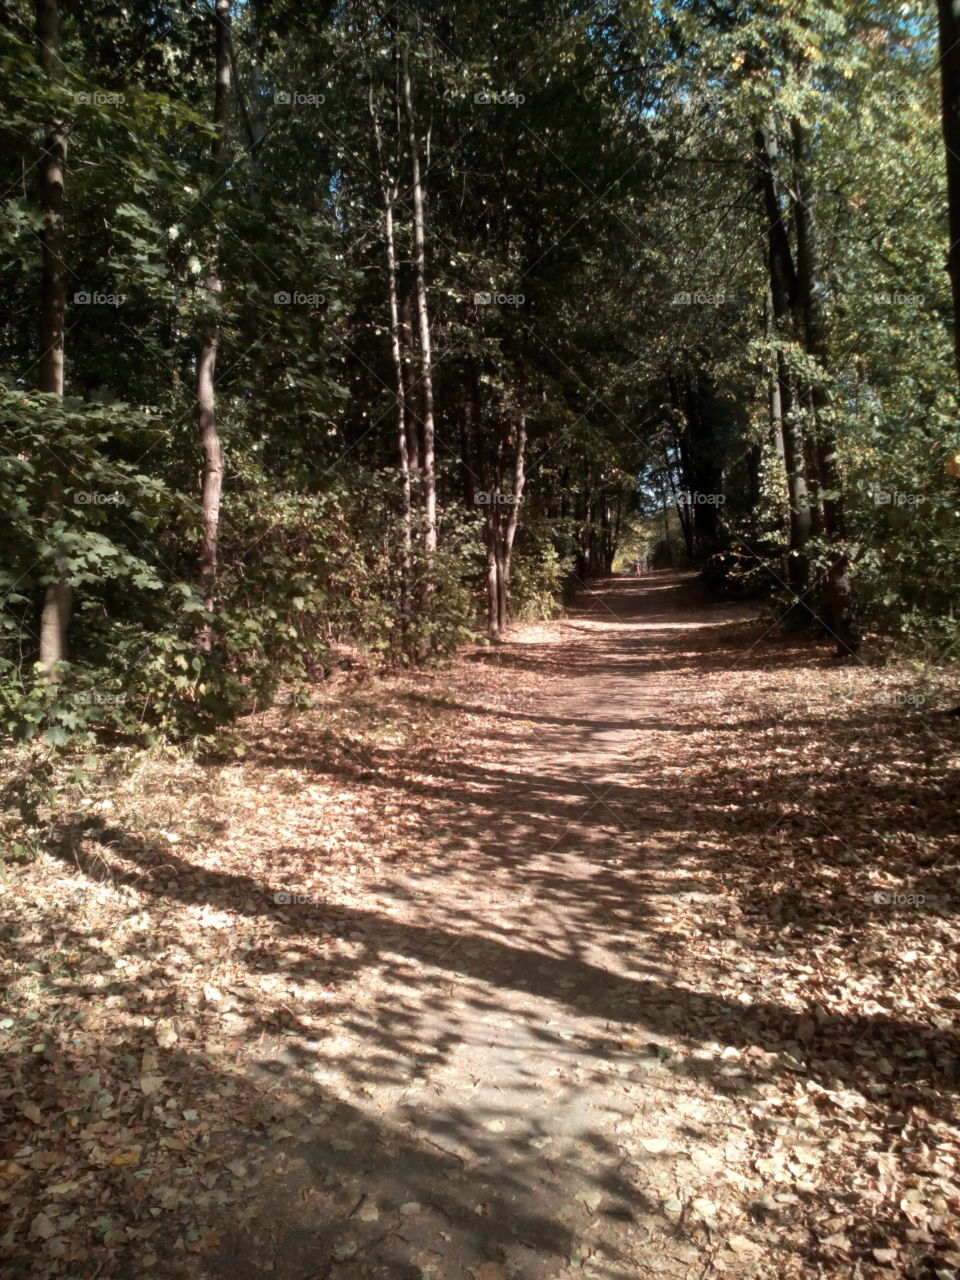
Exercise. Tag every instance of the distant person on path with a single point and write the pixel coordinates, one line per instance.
(637, 569)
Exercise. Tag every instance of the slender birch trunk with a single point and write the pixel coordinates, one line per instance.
(212, 449)
(427, 460)
(389, 188)
(58, 595)
(519, 479)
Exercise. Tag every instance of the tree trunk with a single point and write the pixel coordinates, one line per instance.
(776, 410)
(949, 14)
(491, 532)
(212, 482)
(798, 496)
(682, 510)
(408, 343)
(686, 526)
(775, 401)
(58, 595)
(427, 464)
(469, 429)
(389, 187)
(502, 591)
(519, 480)
(812, 466)
(783, 292)
(498, 539)
(586, 538)
(702, 465)
(499, 528)
(402, 452)
(839, 590)
(606, 545)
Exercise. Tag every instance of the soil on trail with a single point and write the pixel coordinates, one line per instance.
(626, 948)
(505, 1100)
(535, 1079)
(515, 1094)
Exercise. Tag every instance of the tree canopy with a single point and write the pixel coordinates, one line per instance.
(373, 327)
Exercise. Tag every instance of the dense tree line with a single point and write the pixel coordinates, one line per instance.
(377, 326)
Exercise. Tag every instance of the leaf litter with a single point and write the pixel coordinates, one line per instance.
(626, 948)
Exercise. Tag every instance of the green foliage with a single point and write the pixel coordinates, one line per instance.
(536, 582)
(597, 233)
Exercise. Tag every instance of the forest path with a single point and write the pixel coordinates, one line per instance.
(523, 1086)
(627, 948)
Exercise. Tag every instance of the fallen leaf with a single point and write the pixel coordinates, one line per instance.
(41, 1228)
(740, 1244)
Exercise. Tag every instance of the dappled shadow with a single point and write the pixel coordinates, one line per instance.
(557, 973)
(349, 1184)
(530, 955)
(447, 1157)
(596, 890)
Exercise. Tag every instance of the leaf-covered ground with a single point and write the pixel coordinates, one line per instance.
(628, 948)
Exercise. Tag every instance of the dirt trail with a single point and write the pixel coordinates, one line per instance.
(627, 948)
(519, 1103)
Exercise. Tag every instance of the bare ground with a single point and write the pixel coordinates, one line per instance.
(631, 950)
